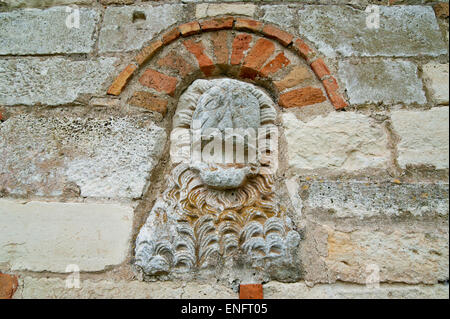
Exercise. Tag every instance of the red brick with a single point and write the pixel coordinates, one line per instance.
(149, 101)
(147, 52)
(273, 32)
(189, 28)
(171, 36)
(279, 62)
(252, 291)
(8, 286)
(217, 24)
(248, 25)
(198, 49)
(159, 81)
(175, 62)
(320, 68)
(332, 89)
(122, 80)
(241, 43)
(302, 97)
(220, 45)
(258, 55)
(303, 49)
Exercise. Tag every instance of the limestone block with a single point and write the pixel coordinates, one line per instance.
(49, 236)
(436, 79)
(424, 137)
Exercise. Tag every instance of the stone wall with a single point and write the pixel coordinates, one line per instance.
(86, 114)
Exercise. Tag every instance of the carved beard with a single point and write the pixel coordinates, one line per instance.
(194, 227)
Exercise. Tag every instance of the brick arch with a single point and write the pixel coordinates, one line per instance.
(247, 62)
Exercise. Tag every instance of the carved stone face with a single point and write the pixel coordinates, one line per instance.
(233, 110)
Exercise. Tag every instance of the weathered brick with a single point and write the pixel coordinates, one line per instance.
(121, 81)
(256, 58)
(303, 49)
(149, 101)
(302, 97)
(175, 62)
(320, 68)
(217, 24)
(281, 36)
(198, 50)
(171, 36)
(147, 52)
(279, 62)
(251, 291)
(241, 44)
(294, 78)
(441, 9)
(332, 89)
(189, 28)
(248, 25)
(8, 286)
(159, 81)
(220, 46)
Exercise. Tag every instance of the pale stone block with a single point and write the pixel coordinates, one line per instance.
(436, 79)
(35, 31)
(387, 82)
(44, 236)
(424, 137)
(54, 81)
(342, 30)
(41, 3)
(49, 156)
(343, 141)
(205, 10)
(121, 31)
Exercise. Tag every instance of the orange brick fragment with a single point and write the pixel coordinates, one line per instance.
(279, 62)
(258, 55)
(8, 286)
(302, 97)
(320, 68)
(241, 43)
(171, 36)
(220, 45)
(273, 32)
(159, 81)
(189, 28)
(332, 89)
(122, 80)
(441, 10)
(149, 101)
(248, 25)
(303, 49)
(217, 24)
(175, 62)
(204, 62)
(251, 291)
(147, 52)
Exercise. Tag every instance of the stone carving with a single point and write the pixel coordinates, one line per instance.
(219, 217)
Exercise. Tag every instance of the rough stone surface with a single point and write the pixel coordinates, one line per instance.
(436, 79)
(44, 236)
(36, 31)
(365, 199)
(41, 3)
(411, 254)
(342, 30)
(103, 158)
(339, 141)
(387, 82)
(280, 15)
(277, 290)
(50, 288)
(205, 10)
(424, 137)
(120, 33)
(22, 80)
